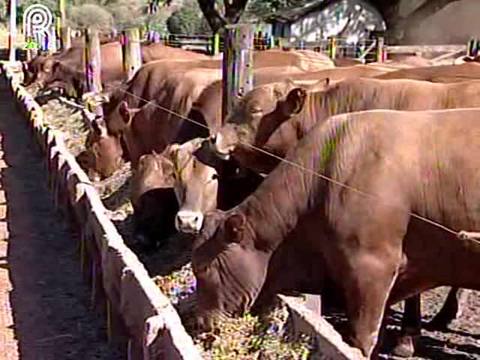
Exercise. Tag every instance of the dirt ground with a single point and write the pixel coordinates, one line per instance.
(45, 309)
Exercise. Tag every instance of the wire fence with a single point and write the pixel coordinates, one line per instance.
(341, 47)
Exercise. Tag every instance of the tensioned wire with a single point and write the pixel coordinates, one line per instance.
(461, 234)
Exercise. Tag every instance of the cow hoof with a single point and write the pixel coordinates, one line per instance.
(405, 347)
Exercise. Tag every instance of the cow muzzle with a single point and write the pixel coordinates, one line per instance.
(218, 147)
(189, 222)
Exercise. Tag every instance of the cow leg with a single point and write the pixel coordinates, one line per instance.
(450, 311)
(367, 285)
(411, 327)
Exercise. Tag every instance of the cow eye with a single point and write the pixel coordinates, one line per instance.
(214, 176)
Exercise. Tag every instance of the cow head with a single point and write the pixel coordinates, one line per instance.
(258, 114)
(104, 152)
(196, 185)
(65, 80)
(153, 200)
(229, 267)
(44, 68)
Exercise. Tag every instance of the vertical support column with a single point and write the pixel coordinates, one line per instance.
(93, 60)
(63, 12)
(52, 43)
(12, 31)
(66, 37)
(62, 22)
(237, 64)
(380, 49)
(271, 42)
(473, 47)
(132, 55)
(332, 47)
(470, 47)
(216, 44)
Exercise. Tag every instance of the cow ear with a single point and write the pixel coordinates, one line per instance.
(172, 149)
(126, 113)
(54, 67)
(234, 226)
(294, 102)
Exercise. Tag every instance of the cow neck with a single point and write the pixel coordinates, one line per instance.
(289, 193)
(268, 125)
(336, 100)
(312, 111)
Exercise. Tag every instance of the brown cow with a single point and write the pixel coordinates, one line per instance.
(192, 160)
(149, 78)
(148, 81)
(263, 111)
(438, 74)
(372, 247)
(187, 160)
(275, 116)
(164, 81)
(157, 124)
(39, 66)
(68, 71)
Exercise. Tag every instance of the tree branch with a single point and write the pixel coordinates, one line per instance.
(214, 18)
(234, 9)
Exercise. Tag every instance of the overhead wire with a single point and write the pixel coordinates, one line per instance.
(461, 234)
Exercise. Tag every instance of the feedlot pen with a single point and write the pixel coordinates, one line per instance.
(44, 303)
(46, 310)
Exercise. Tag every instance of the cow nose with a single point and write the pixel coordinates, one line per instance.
(189, 221)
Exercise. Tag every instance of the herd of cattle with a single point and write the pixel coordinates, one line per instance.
(328, 177)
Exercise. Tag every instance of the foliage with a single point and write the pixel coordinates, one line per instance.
(188, 20)
(262, 8)
(91, 16)
(218, 15)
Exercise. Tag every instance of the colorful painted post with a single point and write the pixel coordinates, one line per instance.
(66, 37)
(12, 30)
(332, 47)
(216, 44)
(380, 49)
(52, 44)
(237, 64)
(93, 63)
(63, 12)
(28, 49)
(473, 47)
(470, 47)
(132, 55)
(279, 43)
(271, 42)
